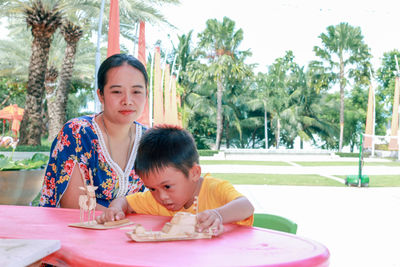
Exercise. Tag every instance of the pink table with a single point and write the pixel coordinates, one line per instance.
(238, 246)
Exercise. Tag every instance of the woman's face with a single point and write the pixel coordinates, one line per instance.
(124, 94)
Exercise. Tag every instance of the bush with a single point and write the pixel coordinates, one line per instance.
(38, 160)
(43, 148)
(207, 152)
(382, 147)
(347, 155)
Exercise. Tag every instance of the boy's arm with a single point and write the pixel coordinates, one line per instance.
(117, 210)
(236, 210)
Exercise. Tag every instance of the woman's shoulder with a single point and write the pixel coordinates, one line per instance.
(82, 120)
(76, 124)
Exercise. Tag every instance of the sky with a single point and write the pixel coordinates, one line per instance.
(272, 27)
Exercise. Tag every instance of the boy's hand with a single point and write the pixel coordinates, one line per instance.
(110, 214)
(210, 219)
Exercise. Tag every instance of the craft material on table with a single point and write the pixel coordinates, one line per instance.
(106, 225)
(87, 202)
(181, 227)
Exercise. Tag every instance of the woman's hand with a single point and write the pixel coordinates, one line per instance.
(210, 220)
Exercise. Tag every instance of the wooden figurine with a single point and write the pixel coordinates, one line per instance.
(87, 202)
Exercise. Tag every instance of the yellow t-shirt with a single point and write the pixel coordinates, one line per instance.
(214, 193)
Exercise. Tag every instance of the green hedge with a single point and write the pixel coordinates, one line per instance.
(347, 155)
(207, 152)
(43, 148)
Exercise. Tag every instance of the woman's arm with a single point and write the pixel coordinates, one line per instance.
(70, 198)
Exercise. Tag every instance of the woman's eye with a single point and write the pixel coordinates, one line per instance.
(115, 92)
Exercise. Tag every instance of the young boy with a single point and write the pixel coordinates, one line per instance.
(168, 163)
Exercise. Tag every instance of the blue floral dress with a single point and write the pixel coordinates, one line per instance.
(80, 144)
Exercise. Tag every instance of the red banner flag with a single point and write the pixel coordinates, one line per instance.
(113, 29)
(393, 143)
(174, 101)
(369, 125)
(158, 104)
(144, 118)
(142, 44)
(167, 96)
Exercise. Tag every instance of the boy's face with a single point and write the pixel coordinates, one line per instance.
(171, 188)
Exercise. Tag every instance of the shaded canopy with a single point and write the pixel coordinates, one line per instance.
(14, 114)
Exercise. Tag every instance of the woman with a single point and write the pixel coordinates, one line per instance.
(103, 144)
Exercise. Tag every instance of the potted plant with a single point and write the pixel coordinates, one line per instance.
(20, 180)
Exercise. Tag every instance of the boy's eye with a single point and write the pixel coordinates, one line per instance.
(152, 189)
(167, 186)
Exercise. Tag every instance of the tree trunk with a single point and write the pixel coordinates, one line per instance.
(278, 133)
(31, 122)
(220, 89)
(342, 85)
(265, 126)
(51, 86)
(58, 115)
(227, 137)
(253, 137)
(43, 24)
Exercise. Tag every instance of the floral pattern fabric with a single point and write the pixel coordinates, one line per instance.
(78, 144)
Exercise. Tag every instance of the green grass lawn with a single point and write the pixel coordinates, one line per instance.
(301, 163)
(243, 162)
(346, 163)
(277, 179)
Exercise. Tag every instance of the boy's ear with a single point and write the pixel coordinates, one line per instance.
(195, 172)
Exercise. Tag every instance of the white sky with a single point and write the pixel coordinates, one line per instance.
(272, 27)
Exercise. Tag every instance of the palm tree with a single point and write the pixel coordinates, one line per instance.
(346, 43)
(278, 79)
(85, 12)
(306, 103)
(58, 105)
(219, 44)
(184, 61)
(43, 22)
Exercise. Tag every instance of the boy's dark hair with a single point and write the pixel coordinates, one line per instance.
(118, 60)
(166, 146)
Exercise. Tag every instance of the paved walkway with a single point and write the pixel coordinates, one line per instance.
(360, 226)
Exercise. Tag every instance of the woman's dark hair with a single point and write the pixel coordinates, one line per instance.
(116, 61)
(166, 146)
